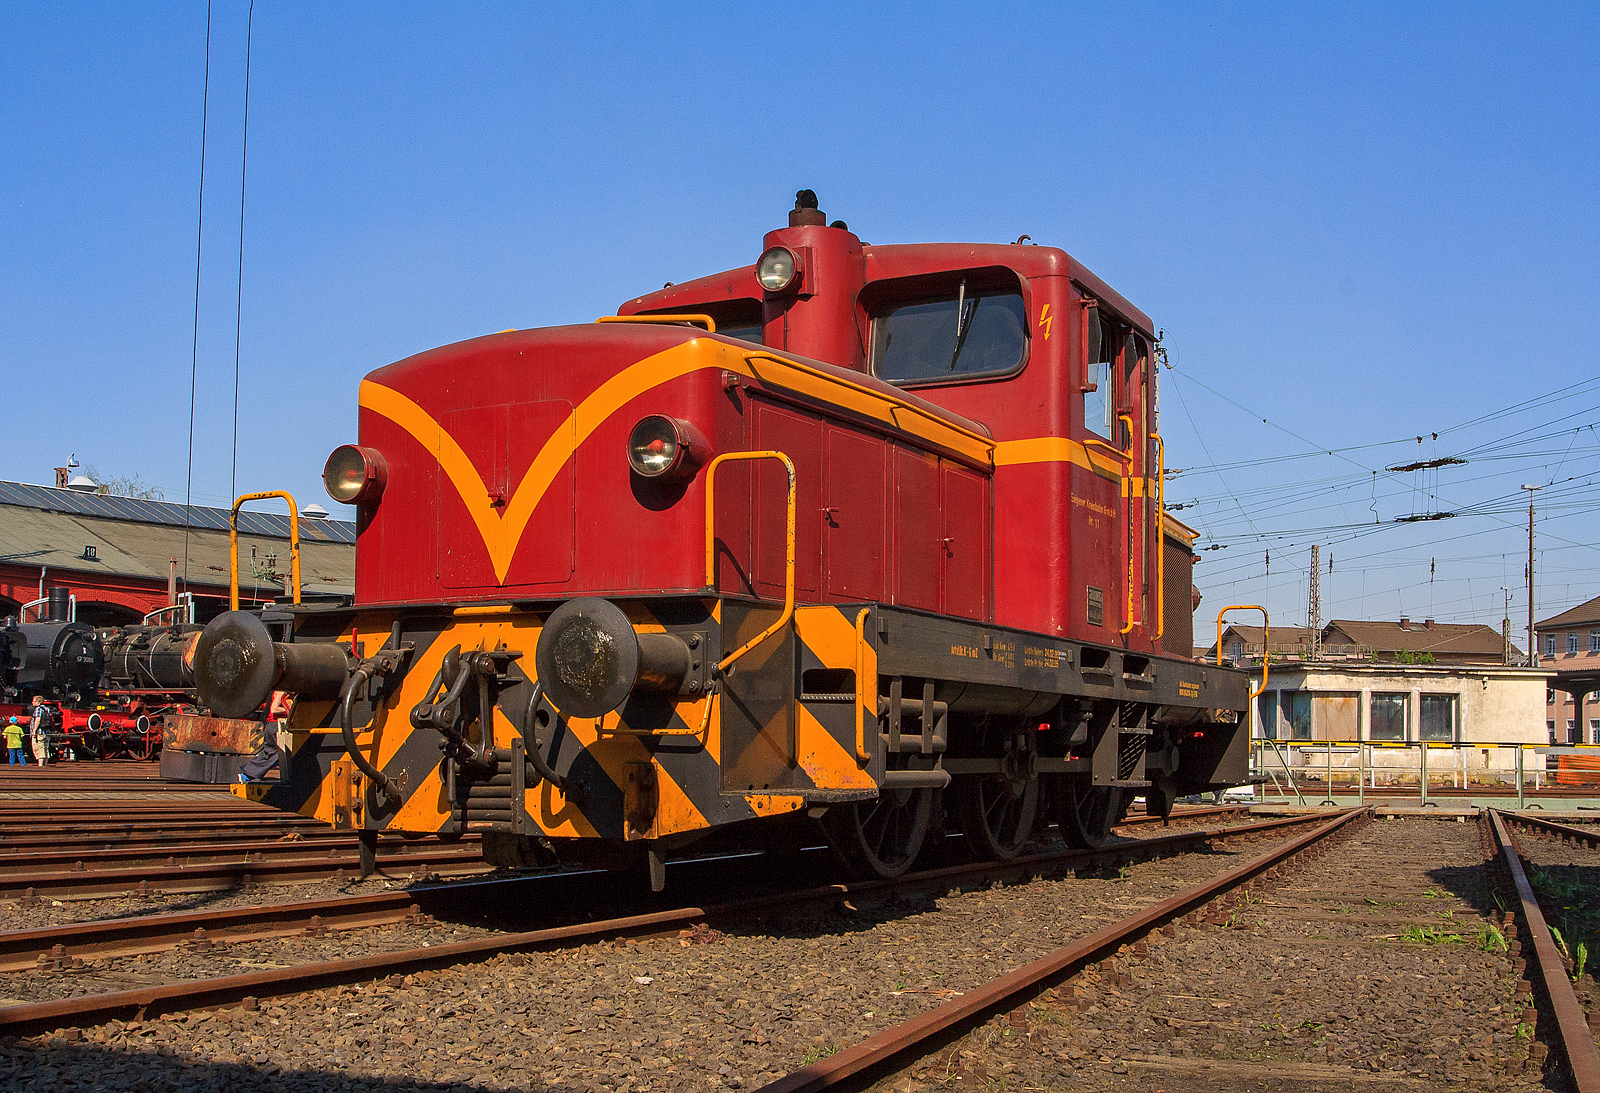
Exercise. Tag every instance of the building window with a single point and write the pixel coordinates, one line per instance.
(1550, 645)
(1236, 650)
(1388, 717)
(1572, 643)
(1549, 696)
(1572, 726)
(1594, 641)
(1594, 730)
(1438, 717)
(1267, 715)
(1550, 727)
(1296, 713)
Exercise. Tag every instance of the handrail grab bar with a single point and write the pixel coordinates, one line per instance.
(233, 542)
(1266, 632)
(789, 551)
(703, 320)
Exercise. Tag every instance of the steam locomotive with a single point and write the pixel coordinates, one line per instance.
(865, 537)
(108, 689)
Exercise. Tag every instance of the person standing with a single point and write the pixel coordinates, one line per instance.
(270, 755)
(40, 731)
(14, 755)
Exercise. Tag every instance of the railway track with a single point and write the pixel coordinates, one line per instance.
(999, 1030)
(256, 866)
(1552, 888)
(153, 830)
(155, 932)
(67, 944)
(157, 853)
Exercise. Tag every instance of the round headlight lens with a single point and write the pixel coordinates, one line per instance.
(654, 446)
(354, 474)
(776, 269)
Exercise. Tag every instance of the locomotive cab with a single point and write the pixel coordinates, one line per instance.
(869, 534)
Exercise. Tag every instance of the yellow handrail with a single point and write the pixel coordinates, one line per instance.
(1118, 452)
(705, 320)
(1127, 522)
(861, 689)
(1161, 536)
(711, 547)
(233, 542)
(1266, 634)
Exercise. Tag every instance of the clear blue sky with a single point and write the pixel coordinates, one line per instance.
(1361, 225)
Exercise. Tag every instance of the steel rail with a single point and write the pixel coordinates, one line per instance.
(111, 836)
(1181, 814)
(218, 876)
(869, 1059)
(246, 852)
(22, 949)
(1550, 827)
(159, 827)
(33, 1018)
(1572, 1026)
(121, 814)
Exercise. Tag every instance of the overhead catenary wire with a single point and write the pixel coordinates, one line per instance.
(1568, 415)
(238, 312)
(199, 241)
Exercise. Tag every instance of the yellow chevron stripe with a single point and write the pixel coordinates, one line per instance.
(828, 764)
(501, 531)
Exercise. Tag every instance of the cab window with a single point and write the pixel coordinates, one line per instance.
(1110, 343)
(751, 333)
(1102, 352)
(967, 333)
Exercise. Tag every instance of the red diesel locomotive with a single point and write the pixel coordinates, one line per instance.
(864, 535)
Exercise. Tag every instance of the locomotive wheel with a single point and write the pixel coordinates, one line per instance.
(1087, 812)
(997, 814)
(881, 838)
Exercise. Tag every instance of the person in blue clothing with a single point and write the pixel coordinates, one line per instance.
(14, 753)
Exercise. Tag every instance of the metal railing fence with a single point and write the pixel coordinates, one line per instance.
(1291, 767)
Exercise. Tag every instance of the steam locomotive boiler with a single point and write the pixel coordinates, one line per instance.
(108, 689)
(865, 536)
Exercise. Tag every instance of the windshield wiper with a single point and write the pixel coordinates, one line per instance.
(963, 321)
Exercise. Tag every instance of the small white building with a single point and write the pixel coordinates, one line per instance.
(1360, 702)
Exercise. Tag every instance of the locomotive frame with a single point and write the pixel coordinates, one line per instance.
(807, 593)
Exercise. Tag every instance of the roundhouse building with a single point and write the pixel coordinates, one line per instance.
(122, 558)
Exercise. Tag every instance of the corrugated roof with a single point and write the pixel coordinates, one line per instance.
(1574, 616)
(269, 524)
(126, 548)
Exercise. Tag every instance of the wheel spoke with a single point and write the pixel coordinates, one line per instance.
(883, 837)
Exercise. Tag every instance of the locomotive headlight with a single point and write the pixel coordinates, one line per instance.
(665, 449)
(354, 474)
(778, 270)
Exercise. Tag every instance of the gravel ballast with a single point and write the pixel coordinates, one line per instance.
(1366, 969)
(704, 1011)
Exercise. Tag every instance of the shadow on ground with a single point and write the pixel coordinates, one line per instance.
(90, 1068)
